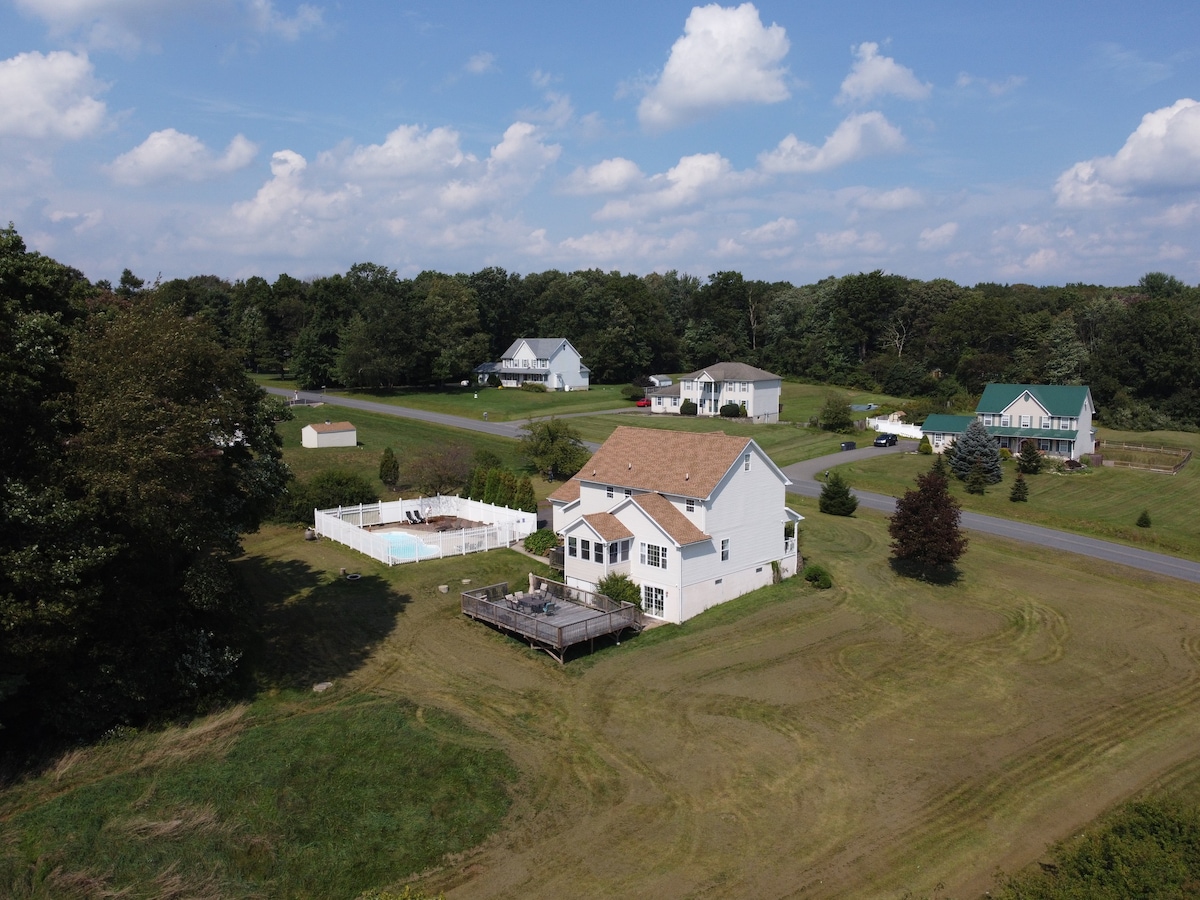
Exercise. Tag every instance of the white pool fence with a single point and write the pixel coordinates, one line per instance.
(349, 525)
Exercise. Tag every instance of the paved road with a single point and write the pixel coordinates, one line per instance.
(805, 481)
(806, 477)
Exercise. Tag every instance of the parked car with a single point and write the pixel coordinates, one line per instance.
(645, 401)
(885, 440)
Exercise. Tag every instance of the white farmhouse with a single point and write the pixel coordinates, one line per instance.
(757, 391)
(553, 362)
(693, 519)
(329, 434)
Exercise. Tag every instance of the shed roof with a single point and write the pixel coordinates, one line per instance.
(330, 427)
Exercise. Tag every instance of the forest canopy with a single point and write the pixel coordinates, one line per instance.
(1137, 347)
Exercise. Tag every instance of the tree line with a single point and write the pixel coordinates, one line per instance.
(136, 450)
(1137, 347)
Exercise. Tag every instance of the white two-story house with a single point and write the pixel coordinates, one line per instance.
(1057, 417)
(553, 362)
(693, 519)
(755, 390)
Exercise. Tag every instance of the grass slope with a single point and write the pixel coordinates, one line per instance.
(1103, 503)
(882, 736)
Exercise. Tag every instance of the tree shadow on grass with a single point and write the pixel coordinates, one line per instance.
(309, 628)
(941, 575)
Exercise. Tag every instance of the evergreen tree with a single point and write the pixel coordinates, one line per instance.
(508, 488)
(836, 498)
(1030, 460)
(976, 446)
(525, 499)
(1020, 490)
(925, 528)
(941, 466)
(1143, 521)
(976, 483)
(389, 468)
(491, 488)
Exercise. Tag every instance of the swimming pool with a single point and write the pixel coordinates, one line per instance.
(406, 547)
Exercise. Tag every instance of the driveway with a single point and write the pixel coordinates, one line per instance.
(805, 477)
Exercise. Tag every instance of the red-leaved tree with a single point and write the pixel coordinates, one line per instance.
(925, 530)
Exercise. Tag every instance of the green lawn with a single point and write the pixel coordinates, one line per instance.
(1103, 503)
(376, 431)
(295, 794)
(501, 404)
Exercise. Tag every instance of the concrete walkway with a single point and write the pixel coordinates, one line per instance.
(805, 477)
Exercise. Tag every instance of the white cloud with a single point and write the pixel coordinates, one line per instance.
(693, 178)
(481, 63)
(607, 177)
(994, 88)
(512, 166)
(850, 241)
(860, 135)
(936, 238)
(781, 229)
(170, 154)
(628, 243)
(408, 150)
(49, 96)
(873, 76)
(725, 57)
(1163, 153)
(286, 200)
(269, 20)
(888, 201)
(119, 24)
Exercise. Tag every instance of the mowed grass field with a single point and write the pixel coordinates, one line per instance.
(1104, 502)
(880, 737)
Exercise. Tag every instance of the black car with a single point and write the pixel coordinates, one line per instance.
(885, 440)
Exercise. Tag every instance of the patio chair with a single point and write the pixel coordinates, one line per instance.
(411, 516)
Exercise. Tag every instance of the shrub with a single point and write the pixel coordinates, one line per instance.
(925, 448)
(534, 387)
(817, 575)
(620, 587)
(633, 392)
(1143, 521)
(836, 415)
(688, 408)
(541, 541)
(493, 380)
(731, 411)
(1005, 454)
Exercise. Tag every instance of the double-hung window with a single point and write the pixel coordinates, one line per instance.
(585, 549)
(1026, 421)
(987, 421)
(572, 547)
(725, 550)
(1005, 421)
(608, 492)
(746, 462)
(690, 504)
(1045, 421)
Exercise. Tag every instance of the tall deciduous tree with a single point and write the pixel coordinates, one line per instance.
(553, 448)
(925, 528)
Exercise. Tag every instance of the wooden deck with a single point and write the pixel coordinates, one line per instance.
(577, 616)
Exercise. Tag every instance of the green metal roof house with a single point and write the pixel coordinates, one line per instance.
(1058, 417)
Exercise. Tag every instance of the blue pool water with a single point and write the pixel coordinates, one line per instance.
(405, 546)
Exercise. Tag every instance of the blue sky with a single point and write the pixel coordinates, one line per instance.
(1022, 142)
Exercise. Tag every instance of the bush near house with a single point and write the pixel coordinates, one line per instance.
(688, 408)
(541, 541)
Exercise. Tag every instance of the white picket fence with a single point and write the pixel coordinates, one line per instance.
(887, 426)
(347, 525)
